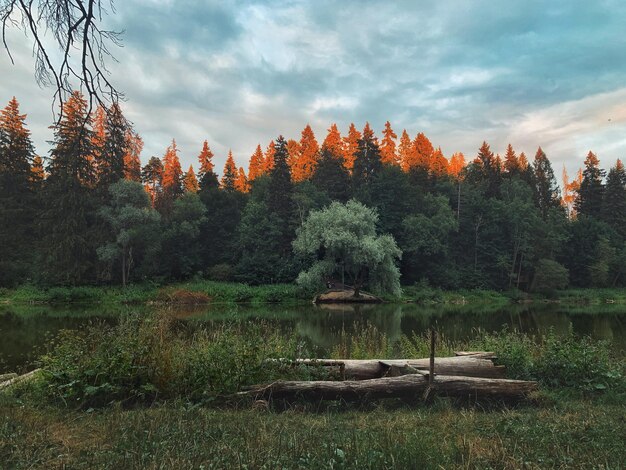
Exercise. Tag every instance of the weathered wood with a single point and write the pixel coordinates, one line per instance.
(406, 386)
(477, 354)
(362, 369)
(5, 377)
(19, 379)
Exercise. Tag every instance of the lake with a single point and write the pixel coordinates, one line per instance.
(26, 329)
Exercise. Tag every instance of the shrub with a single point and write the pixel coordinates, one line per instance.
(220, 272)
(549, 276)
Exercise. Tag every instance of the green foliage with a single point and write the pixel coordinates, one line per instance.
(147, 358)
(343, 237)
(549, 276)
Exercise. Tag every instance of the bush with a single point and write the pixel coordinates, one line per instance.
(143, 359)
(549, 276)
(220, 272)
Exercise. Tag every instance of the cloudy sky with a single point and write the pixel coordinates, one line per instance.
(238, 73)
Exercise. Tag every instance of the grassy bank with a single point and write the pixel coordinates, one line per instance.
(202, 291)
(149, 392)
(564, 433)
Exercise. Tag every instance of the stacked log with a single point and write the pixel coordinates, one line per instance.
(469, 375)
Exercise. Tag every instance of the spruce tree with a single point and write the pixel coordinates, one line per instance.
(304, 166)
(367, 161)
(351, 146)
(331, 176)
(333, 142)
(546, 188)
(591, 192)
(152, 178)
(69, 210)
(132, 158)
(280, 193)
(614, 210)
(230, 173)
(388, 146)
(255, 169)
(172, 179)
(206, 175)
(115, 149)
(17, 205)
(190, 182)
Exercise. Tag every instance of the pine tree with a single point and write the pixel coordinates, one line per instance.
(406, 152)
(241, 183)
(190, 182)
(270, 152)
(280, 190)
(293, 152)
(16, 196)
(333, 142)
(423, 151)
(439, 164)
(256, 166)
(367, 161)
(331, 176)
(305, 164)
(591, 192)
(115, 149)
(230, 173)
(98, 139)
(456, 164)
(388, 146)
(37, 172)
(172, 173)
(152, 178)
(511, 163)
(351, 146)
(487, 170)
(69, 202)
(615, 199)
(132, 158)
(206, 174)
(547, 194)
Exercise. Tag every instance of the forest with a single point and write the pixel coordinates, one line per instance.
(90, 213)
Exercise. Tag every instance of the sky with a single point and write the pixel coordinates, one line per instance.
(239, 73)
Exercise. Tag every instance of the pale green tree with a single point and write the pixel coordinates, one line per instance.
(342, 239)
(132, 219)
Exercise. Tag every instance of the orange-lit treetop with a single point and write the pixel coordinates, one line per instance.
(257, 164)
(230, 173)
(241, 183)
(306, 162)
(351, 145)
(269, 157)
(388, 146)
(333, 142)
(190, 182)
(172, 171)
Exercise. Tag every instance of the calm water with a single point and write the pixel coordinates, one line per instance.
(25, 330)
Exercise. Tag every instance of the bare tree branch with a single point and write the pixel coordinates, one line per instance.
(75, 27)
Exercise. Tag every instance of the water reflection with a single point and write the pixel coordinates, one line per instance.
(24, 330)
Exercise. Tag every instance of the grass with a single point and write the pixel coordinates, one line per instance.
(230, 292)
(564, 434)
(149, 392)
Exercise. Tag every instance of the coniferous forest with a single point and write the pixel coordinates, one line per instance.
(92, 212)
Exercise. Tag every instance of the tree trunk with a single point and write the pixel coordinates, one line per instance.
(407, 386)
(363, 369)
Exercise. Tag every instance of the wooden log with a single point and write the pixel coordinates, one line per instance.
(363, 369)
(5, 377)
(19, 379)
(477, 354)
(406, 386)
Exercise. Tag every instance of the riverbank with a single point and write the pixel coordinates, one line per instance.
(204, 291)
(150, 392)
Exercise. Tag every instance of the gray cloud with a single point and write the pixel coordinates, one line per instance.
(239, 73)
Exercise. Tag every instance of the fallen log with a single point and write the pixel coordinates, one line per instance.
(363, 369)
(19, 379)
(407, 386)
(5, 377)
